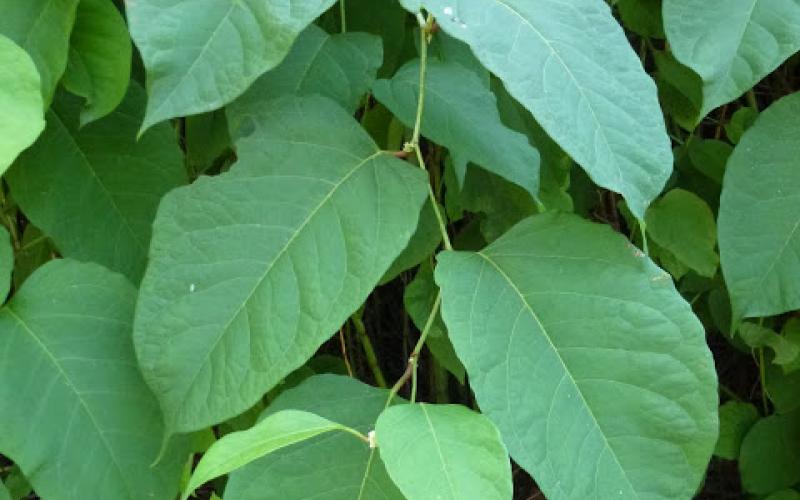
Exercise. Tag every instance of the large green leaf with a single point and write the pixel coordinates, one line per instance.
(274, 432)
(4, 495)
(42, 28)
(76, 415)
(683, 224)
(759, 215)
(333, 467)
(472, 132)
(252, 270)
(341, 67)
(735, 419)
(770, 455)
(99, 64)
(202, 54)
(588, 360)
(571, 66)
(446, 452)
(731, 44)
(20, 102)
(95, 190)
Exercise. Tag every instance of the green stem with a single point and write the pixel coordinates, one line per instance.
(763, 376)
(366, 344)
(343, 15)
(411, 367)
(751, 99)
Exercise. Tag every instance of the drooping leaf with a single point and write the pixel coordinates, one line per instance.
(584, 355)
(252, 270)
(446, 452)
(472, 132)
(571, 66)
(710, 157)
(42, 28)
(680, 90)
(274, 432)
(782, 388)
(334, 467)
(99, 64)
(683, 224)
(770, 455)
(418, 299)
(202, 54)
(35, 249)
(791, 333)
(341, 67)
(759, 215)
(85, 425)
(757, 336)
(731, 45)
(95, 190)
(6, 263)
(21, 103)
(735, 420)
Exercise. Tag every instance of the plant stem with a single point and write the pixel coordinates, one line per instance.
(411, 367)
(366, 343)
(751, 99)
(343, 15)
(763, 376)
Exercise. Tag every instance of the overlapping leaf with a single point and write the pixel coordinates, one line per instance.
(42, 28)
(76, 415)
(584, 355)
(341, 67)
(334, 467)
(202, 54)
(95, 190)
(731, 45)
(445, 452)
(20, 102)
(759, 216)
(571, 66)
(252, 270)
(99, 64)
(472, 132)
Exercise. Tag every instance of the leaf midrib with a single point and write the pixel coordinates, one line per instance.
(334, 188)
(568, 373)
(77, 394)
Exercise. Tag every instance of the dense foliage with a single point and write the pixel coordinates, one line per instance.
(388, 249)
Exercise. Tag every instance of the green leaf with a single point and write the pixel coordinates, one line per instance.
(35, 249)
(735, 420)
(419, 298)
(782, 388)
(472, 132)
(555, 166)
(741, 120)
(99, 64)
(20, 102)
(588, 360)
(201, 55)
(252, 270)
(6, 263)
(710, 157)
(791, 333)
(207, 140)
(423, 244)
(334, 467)
(85, 413)
(387, 20)
(759, 215)
(643, 17)
(4, 495)
(756, 336)
(784, 495)
(95, 190)
(571, 66)
(770, 456)
(680, 90)
(276, 431)
(341, 67)
(446, 452)
(683, 224)
(42, 28)
(731, 46)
